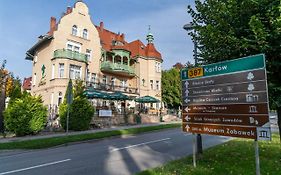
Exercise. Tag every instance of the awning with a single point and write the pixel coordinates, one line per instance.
(147, 99)
(93, 93)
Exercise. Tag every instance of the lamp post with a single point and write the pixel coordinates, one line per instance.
(190, 27)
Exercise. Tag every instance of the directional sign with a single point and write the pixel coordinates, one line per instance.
(253, 108)
(233, 98)
(227, 98)
(227, 88)
(243, 120)
(231, 66)
(248, 76)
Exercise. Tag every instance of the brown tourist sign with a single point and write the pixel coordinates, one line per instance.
(227, 98)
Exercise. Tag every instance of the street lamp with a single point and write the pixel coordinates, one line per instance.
(190, 27)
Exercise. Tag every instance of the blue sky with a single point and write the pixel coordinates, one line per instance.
(22, 21)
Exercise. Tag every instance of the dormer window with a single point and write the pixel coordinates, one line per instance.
(85, 33)
(74, 30)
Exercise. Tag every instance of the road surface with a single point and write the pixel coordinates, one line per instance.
(115, 156)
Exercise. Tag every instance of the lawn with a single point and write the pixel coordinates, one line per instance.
(55, 141)
(235, 157)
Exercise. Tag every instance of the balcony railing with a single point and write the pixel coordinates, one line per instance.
(113, 88)
(62, 53)
(117, 68)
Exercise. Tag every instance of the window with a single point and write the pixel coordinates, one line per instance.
(74, 72)
(61, 70)
(72, 46)
(53, 71)
(104, 79)
(158, 67)
(88, 55)
(123, 83)
(85, 33)
(112, 81)
(74, 30)
(88, 75)
(60, 98)
(93, 77)
(34, 80)
(157, 85)
(151, 84)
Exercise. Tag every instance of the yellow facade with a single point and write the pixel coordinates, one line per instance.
(61, 54)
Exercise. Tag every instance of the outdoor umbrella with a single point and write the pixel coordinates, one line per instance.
(92, 93)
(147, 99)
(118, 96)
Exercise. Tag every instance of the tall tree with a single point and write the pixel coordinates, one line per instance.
(228, 29)
(171, 88)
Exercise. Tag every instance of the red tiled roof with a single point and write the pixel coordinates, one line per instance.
(137, 48)
(26, 85)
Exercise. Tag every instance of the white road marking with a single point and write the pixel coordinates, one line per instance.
(145, 143)
(37, 166)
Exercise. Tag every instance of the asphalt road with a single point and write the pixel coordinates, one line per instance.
(126, 155)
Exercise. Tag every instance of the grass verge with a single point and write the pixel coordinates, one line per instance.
(50, 142)
(235, 157)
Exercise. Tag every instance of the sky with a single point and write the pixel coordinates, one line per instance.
(22, 21)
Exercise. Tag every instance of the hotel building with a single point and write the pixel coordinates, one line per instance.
(76, 48)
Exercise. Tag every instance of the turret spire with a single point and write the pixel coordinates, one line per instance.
(149, 36)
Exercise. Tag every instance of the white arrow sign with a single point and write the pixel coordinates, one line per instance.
(186, 84)
(186, 100)
(187, 118)
(187, 109)
(187, 128)
(186, 92)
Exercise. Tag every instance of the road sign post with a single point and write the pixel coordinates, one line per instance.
(229, 98)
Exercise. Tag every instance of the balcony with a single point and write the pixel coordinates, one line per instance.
(62, 53)
(117, 68)
(113, 88)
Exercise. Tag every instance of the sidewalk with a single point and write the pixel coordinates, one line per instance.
(113, 128)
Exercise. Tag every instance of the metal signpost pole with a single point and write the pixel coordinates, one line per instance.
(194, 150)
(257, 158)
(67, 118)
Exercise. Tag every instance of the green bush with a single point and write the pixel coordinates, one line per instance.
(26, 115)
(80, 114)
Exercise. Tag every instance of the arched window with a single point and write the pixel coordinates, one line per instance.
(74, 30)
(85, 33)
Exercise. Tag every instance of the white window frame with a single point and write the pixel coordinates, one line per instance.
(87, 34)
(93, 77)
(72, 30)
(73, 72)
(89, 54)
(157, 85)
(34, 79)
(61, 70)
(151, 84)
(73, 45)
(53, 71)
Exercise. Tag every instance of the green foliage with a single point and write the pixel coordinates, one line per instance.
(79, 88)
(231, 158)
(171, 88)
(231, 29)
(80, 114)
(26, 115)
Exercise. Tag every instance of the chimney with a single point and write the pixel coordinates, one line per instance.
(68, 10)
(123, 36)
(53, 23)
(101, 26)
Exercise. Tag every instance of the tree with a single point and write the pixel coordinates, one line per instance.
(229, 29)
(26, 115)
(80, 114)
(80, 111)
(171, 88)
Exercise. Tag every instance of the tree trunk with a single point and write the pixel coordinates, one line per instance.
(279, 120)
